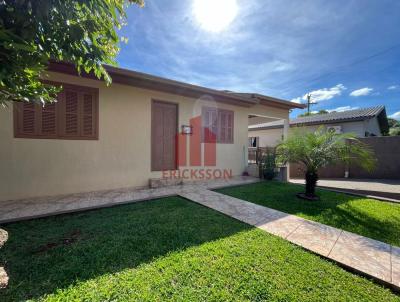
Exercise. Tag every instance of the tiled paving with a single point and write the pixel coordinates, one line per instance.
(3, 273)
(370, 257)
(384, 189)
(396, 266)
(376, 259)
(15, 210)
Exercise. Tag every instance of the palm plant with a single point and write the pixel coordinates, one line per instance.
(322, 148)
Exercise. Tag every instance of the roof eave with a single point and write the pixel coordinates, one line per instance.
(278, 102)
(146, 81)
(266, 128)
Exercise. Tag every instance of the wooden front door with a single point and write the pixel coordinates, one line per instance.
(164, 124)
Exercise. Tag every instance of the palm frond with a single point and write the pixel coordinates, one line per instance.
(324, 147)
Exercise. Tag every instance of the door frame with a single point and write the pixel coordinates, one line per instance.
(154, 101)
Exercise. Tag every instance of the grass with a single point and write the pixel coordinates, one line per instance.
(167, 249)
(368, 217)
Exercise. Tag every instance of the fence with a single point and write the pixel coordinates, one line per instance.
(387, 152)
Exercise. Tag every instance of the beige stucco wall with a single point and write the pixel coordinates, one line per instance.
(271, 137)
(268, 138)
(358, 128)
(120, 158)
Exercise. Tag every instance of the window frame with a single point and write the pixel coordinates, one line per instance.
(59, 117)
(257, 140)
(219, 112)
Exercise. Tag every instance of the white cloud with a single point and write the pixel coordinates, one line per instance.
(361, 92)
(297, 100)
(395, 115)
(341, 109)
(322, 94)
(326, 93)
(282, 66)
(393, 87)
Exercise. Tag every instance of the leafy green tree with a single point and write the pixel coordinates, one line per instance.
(32, 32)
(394, 127)
(394, 131)
(322, 148)
(393, 123)
(322, 111)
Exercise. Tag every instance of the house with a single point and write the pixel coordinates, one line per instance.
(363, 122)
(99, 137)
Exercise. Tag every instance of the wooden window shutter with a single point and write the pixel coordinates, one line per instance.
(219, 122)
(210, 124)
(206, 124)
(34, 120)
(73, 116)
(214, 124)
(222, 126)
(25, 119)
(79, 113)
(88, 112)
(48, 125)
(29, 123)
(225, 118)
(229, 127)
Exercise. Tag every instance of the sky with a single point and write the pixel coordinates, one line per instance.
(345, 53)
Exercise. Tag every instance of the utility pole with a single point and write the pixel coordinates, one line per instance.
(309, 103)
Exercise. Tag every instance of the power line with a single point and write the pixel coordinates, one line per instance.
(309, 103)
(339, 68)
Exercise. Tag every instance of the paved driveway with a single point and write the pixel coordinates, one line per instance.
(383, 188)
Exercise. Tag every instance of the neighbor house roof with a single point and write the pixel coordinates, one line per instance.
(331, 118)
(147, 81)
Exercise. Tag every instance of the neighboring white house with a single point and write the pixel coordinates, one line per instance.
(362, 122)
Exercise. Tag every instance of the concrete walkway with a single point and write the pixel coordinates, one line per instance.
(369, 257)
(385, 189)
(372, 258)
(22, 209)
(3, 273)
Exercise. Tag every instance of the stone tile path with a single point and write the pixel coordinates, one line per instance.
(375, 259)
(369, 257)
(15, 210)
(3, 273)
(384, 189)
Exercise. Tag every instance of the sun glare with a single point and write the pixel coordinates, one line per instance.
(215, 15)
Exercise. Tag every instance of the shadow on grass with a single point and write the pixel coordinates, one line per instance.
(371, 218)
(47, 254)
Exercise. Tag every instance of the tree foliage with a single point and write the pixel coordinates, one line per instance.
(394, 127)
(322, 148)
(32, 32)
(322, 111)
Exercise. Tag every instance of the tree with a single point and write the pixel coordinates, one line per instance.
(394, 131)
(394, 127)
(32, 32)
(321, 148)
(393, 123)
(322, 111)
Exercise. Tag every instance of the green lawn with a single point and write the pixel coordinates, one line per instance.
(368, 217)
(167, 249)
